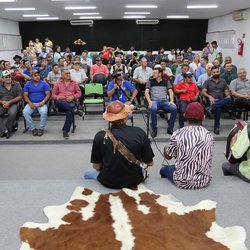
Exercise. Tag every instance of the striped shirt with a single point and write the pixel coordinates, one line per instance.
(192, 146)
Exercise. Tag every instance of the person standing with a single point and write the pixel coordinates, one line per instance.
(192, 148)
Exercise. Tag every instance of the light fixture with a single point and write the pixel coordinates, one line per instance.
(6, 1)
(90, 17)
(36, 15)
(133, 17)
(137, 13)
(177, 17)
(10, 9)
(80, 7)
(141, 6)
(47, 18)
(83, 14)
(202, 6)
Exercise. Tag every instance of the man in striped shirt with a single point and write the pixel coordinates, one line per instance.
(192, 148)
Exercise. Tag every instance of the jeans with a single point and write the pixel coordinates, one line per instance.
(216, 107)
(182, 108)
(91, 174)
(12, 113)
(43, 111)
(167, 172)
(167, 107)
(69, 108)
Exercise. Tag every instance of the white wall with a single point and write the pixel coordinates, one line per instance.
(225, 23)
(8, 28)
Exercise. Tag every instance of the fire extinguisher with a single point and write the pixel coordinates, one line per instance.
(240, 47)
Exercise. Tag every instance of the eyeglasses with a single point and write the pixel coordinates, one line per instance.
(67, 73)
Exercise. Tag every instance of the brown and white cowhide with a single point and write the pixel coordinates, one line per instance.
(130, 219)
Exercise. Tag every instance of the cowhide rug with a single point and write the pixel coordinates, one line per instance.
(130, 219)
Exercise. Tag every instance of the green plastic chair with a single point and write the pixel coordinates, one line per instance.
(93, 96)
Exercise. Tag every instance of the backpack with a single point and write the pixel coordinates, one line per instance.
(231, 139)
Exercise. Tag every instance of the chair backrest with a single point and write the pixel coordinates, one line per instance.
(93, 88)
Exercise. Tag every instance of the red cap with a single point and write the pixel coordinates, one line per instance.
(194, 110)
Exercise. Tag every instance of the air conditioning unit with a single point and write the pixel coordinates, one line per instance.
(82, 22)
(240, 15)
(147, 21)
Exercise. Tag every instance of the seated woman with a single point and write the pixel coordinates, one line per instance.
(239, 149)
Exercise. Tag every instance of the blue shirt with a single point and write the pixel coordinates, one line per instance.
(200, 71)
(179, 78)
(36, 92)
(119, 95)
(202, 79)
(44, 73)
(28, 73)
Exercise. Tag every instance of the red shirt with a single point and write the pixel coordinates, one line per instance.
(72, 89)
(191, 88)
(102, 69)
(106, 53)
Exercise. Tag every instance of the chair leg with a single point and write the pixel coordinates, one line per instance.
(147, 115)
(25, 126)
(73, 125)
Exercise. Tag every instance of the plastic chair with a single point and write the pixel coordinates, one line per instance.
(94, 96)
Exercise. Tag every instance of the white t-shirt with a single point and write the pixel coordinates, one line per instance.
(79, 76)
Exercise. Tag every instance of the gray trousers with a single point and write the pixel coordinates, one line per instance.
(12, 113)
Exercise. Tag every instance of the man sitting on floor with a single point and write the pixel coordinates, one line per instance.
(111, 168)
(10, 95)
(36, 94)
(65, 93)
(159, 88)
(192, 148)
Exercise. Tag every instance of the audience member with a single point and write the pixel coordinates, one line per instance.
(189, 54)
(85, 59)
(228, 59)
(217, 51)
(201, 69)
(54, 76)
(205, 76)
(229, 74)
(184, 69)
(99, 72)
(206, 51)
(57, 54)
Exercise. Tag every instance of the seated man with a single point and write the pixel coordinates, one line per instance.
(202, 78)
(240, 89)
(159, 88)
(10, 95)
(192, 148)
(54, 76)
(239, 149)
(179, 78)
(99, 72)
(187, 92)
(122, 90)
(111, 168)
(118, 66)
(217, 92)
(65, 93)
(229, 75)
(36, 94)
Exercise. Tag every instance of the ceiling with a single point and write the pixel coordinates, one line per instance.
(114, 9)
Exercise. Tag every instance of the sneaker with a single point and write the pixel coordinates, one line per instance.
(8, 135)
(65, 134)
(34, 132)
(217, 131)
(78, 112)
(3, 134)
(40, 132)
(209, 112)
(170, 131)
(154, 133)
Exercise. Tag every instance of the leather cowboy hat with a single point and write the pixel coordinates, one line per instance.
(116, 110)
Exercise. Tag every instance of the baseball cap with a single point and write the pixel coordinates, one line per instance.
(6, 73)
(194, 110)
(98, 58)
(187, 74)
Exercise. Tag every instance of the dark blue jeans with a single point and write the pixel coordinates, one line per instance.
(167, 172)
(182, 109)
(165, 105)
(69, 108)
(216, 107)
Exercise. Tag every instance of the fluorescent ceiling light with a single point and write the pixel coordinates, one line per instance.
(202, 6)
(177, 17)
(5, 1)
(83, 14)
(137, 13)
(90, 17)
(36, 15)
(19, 9)
(80, 7)
(142, 6)
(47, 18)
(133, 17)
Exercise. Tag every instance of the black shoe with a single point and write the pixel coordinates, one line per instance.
(154, 133)
(217, 131)
(8, 135)
(34, 132)
(226, 171)
(40, 132)
(3, 134)
(170, 131)
(65, 134)
(78, 112)
(209, 112)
